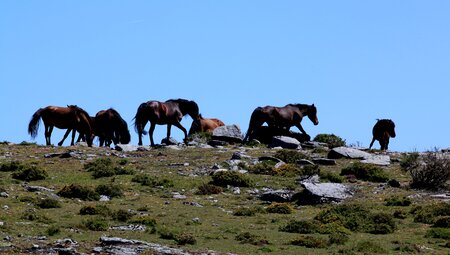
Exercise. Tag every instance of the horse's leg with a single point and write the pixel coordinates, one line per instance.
(299, 126)
(371, 143)
(169, 127)
(152, 128)
(48, 133)
(178, 125)
(73, 137)
(65, 136)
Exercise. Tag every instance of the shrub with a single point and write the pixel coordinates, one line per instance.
(122, 215)
(310, 242)
(433, 174)
(280, 208)
(209, 189)
(53, 230)
(30, 173)
(11, 166)
(78, 191)
(398, 214)
(369, 247)
(49, 203)
(185, 238)
(144, 220)
(111, 190)
(147, 180)
(288, 170)
(398, 201)
(442, 233)
(330, 176)
(95, 210)
(247, 237)
(409, 161)
(232, 178)
(301, 227)
(264, 167)
(428, 214)
(104, 167)
(382, 223)
(331, 139)
(96, 224)
(248, 211)
(442, 222)
(165, 233)
(290, 156)
(338, 238)
(366, 172)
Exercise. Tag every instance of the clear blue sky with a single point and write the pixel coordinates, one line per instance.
(356, 60)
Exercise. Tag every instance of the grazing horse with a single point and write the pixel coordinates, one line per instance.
(72, 118)
(281, 117)
(204, 125)
(110, 127)
(164, 113)
(382, 131)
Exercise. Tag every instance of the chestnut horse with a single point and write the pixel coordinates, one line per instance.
(164, 113)
(72, 118)
(382, 131)
(281, 117)
(204, 125)
(110, 127)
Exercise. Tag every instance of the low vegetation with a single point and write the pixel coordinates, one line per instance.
(331, 139)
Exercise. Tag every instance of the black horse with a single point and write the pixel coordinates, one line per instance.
(111, 127)
(164, 113)
(382, 131)
(281, 117)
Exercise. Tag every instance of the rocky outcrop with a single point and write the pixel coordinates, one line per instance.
(229, 133)
(285, 142)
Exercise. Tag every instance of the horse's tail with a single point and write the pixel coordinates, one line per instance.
(124, 133)
(139, 119)
(256, 115)
(33, 126)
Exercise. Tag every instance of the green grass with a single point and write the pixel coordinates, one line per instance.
(170, 221)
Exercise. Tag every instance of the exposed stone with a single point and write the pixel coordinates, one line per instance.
(4, 194)
(229, 133)
(346, 152)
(264, 134)
(127, 147)
(285, 142)
(324, 161)
(269, 158)
(120, 246)
(304, 162)
(38, 188)
(131, 227)
(319, 193)
(170, 141)
(215, 143)
(381, 160)
(280, 195)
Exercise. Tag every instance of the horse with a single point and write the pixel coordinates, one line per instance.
(164, 113)
(204, 125)
(72, 118)
(382, 131)
(281, 117)
(111, 127)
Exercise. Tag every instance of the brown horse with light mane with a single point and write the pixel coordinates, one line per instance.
(281, 117)
(382, 131)
(72, 118)
(164, 113)
(204, 125)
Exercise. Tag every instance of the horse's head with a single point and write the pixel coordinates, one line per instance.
(391, 128)
(196, 125)
(191, 108)
(312, 114)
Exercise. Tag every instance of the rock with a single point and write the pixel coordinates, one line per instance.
(215, 143)
(38, 189)
(285, 142)
(381, 160)
(117, 245)
(313, 144)
(269, 158)
(126, 147)
(237, 155)
(104, 198)
(319, 193)
(280, 195)
(178, 196)
(229, 133)
(236, 190)
(170, 141)
(264, 134)
(194, 204)
(324, 161)
(304, 162)
(4, 194)
(131, 227)
(346, 152)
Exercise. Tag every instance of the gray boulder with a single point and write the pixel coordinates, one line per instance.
(285, 142)
(129, 147)
(280, 195)
(340, 152)
(319, 193)
(229, 133)
(324, 161)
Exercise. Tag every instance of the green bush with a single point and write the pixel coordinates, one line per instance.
(288, 170)
(310, 242)
(338, 238)
(399, 214)
(442, 222)
(264, 167)
(398, 201)
(53, 230)
(30, 173)
(49, 203)
(104, 167)
(290, 156)
(232, 178)
(330, 177)
(331, 139)
(78, 191)
(95, 210)
(111, 190)
(301, 227)
(280, 208)
(368, 247)
(442, 233)
(11, 166)
(409, 161)
(144, 220)
(147, 180)
(244, 211)
(96, 224)
(382, 223)
(185, 238)
(209, 189)
(247, 237)
(428, 214)
(433, 174)
(122, 215)
(366, 172)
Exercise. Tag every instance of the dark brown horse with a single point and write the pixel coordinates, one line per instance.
(382, 131)
(111, 127)
(281, 117)
(72, 118)
(204, 125)
(164, 113)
